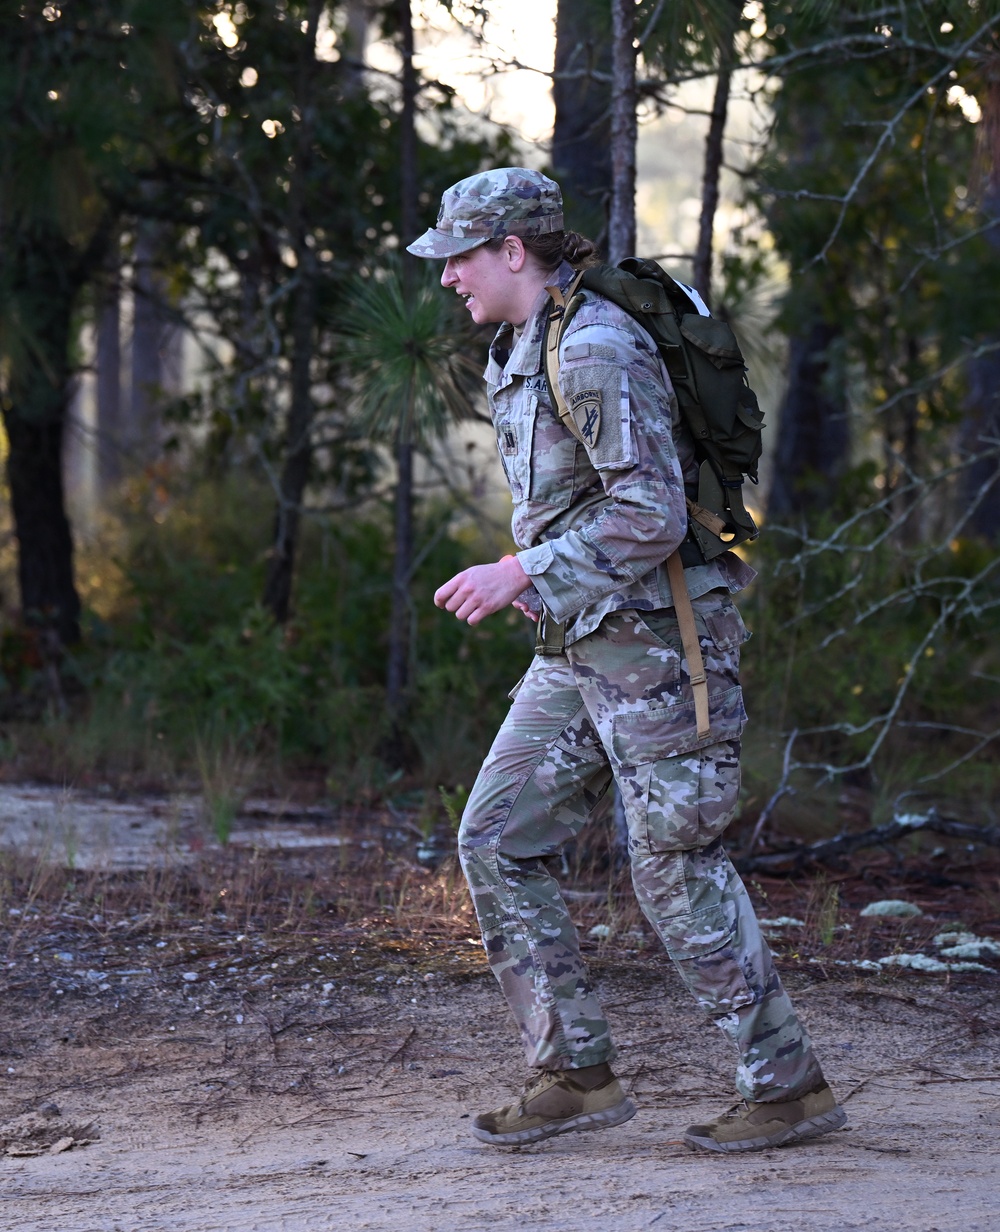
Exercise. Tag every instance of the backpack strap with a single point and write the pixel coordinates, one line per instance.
(689, 640)
(675, 569)
(705, 517)
(554, 327)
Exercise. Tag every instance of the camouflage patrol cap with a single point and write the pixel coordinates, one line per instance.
(491, 204)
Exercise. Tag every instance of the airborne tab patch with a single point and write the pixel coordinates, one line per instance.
(585, 407)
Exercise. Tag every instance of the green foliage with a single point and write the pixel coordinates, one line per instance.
(687, 35)
(868, 186)
(75, 137)
(188, 666)
(454, 803)
(409, 356)
(225, 777)
(884, 663)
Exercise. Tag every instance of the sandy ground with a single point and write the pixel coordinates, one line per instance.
(355, 1113)
(199, 1080)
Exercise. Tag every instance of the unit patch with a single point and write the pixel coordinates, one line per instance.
(586, 410)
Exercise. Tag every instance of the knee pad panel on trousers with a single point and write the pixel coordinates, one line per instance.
(488, 806)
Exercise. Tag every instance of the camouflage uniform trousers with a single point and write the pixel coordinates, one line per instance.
(619, 702)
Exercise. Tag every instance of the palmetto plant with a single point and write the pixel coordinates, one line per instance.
(408, 351)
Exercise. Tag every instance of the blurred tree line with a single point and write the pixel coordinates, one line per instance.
(238, 175)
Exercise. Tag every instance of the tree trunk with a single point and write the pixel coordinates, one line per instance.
(148, 332)
(277, 596)
(109, 379)
(45, 545)
(581, 136)
(624, 131)
(980, 428)
(398, 665)
(902, 451)
(34, 412)
(979, 432)
(813, 444)
(357, 28)
(702, 270)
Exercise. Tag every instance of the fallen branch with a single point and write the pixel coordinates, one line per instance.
(399, 1052)
(832, 850)
(923, 1082)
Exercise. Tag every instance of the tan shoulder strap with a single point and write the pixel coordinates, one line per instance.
(705, 517)
(553, 337)
(689, 640)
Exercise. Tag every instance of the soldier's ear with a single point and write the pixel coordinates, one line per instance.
(515, 252)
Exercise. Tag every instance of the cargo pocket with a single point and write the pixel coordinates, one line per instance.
(679, 792)
(701, 944)
(642, 736)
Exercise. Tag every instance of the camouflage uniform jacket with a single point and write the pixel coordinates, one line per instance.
(595, 524)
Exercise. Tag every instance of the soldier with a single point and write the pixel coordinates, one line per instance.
(609, 695)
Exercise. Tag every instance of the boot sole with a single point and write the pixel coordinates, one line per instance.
(813, 1127)
(609, 1117)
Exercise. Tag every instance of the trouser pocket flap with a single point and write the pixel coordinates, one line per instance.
(726, 628)
(642, 736)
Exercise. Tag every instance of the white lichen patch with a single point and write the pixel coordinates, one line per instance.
(917, 962)
(897, 907)
(910, 819)
(972, 947)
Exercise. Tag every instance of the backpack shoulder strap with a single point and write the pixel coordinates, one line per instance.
(689, 640)
(554, 327)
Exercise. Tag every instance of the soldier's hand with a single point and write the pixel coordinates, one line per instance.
(528, 603)
(480, 591)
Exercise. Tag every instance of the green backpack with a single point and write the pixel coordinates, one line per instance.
(708, 373)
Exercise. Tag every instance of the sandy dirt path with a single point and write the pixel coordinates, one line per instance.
(357, 1116)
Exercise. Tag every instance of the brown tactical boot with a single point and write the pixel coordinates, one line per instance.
(749, 1126)
(557, 1102)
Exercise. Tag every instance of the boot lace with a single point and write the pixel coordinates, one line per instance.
(539, 1079)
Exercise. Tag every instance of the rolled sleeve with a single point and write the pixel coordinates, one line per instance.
(534, 561)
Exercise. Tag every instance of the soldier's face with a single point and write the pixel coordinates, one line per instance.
(484, 279)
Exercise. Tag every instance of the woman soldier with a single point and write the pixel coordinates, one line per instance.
(609, 694)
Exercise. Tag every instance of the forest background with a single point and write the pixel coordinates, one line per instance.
(245, 438)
